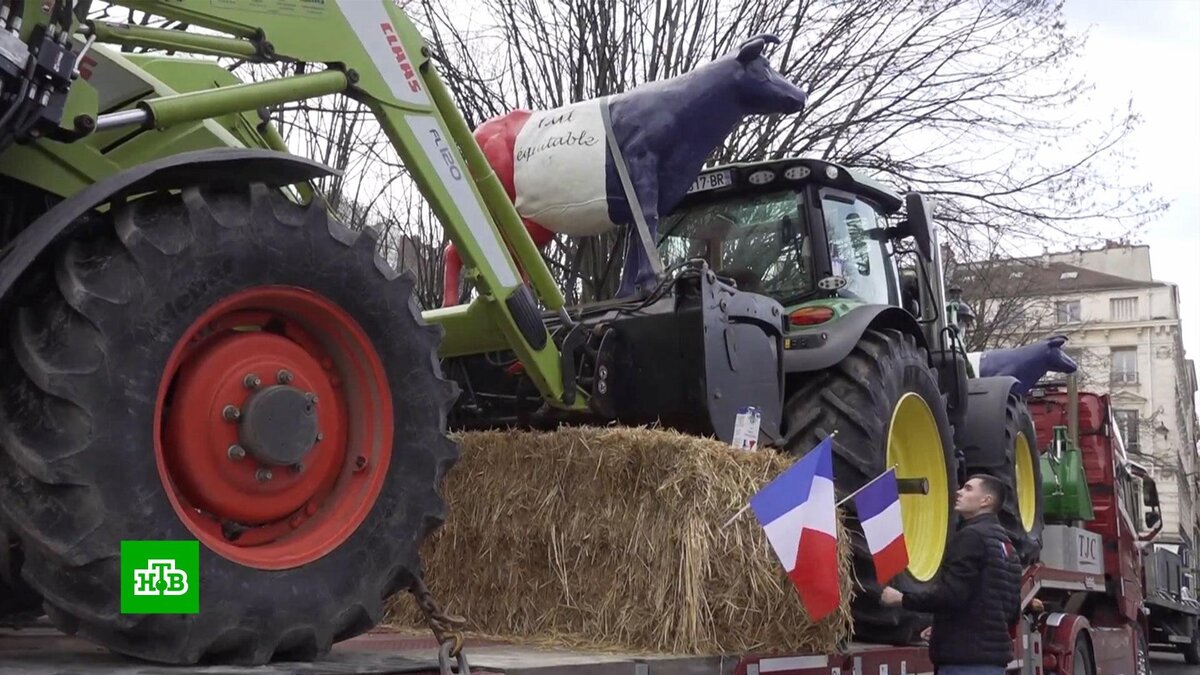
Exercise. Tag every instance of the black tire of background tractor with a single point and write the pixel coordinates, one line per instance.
(1141, 663)
(78, 384)
(17, 600)
(1191, 650)
(1017, 419)
(856, 397)
(1084, 663)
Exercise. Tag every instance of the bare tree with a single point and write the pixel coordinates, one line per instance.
(970, 101)
(1011, 304)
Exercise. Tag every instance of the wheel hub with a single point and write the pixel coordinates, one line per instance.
(914, 447)
(274, 427)
(279, 425)
(229, 437)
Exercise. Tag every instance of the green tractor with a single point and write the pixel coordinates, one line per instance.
(195, 349)
(872, 350)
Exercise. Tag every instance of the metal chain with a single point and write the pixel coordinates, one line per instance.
(446, 627)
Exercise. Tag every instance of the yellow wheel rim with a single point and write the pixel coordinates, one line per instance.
(914, 446)
(1025, 488)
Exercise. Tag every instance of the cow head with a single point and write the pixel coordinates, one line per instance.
(1028, 363)
(761, 89)
(1057, 360)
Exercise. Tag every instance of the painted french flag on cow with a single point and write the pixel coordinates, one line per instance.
(878, 506)
(798, 513)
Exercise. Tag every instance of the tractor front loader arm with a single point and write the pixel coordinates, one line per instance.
(387, 67)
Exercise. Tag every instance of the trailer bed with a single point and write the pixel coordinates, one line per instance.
(41, 650)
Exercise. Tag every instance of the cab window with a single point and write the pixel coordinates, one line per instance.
(855, 254)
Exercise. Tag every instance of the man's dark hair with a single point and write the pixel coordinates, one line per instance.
(993, 486)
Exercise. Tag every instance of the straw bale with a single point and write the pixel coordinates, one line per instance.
(612, 538)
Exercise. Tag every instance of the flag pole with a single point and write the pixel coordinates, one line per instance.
(747, 506)
(852, 494)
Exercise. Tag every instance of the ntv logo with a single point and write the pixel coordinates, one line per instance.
(160, 577)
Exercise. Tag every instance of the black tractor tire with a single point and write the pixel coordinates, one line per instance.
(86, 351)
(1008, 457)
(18, 602)
(857, 398)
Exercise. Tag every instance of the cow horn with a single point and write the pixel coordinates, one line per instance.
(753, 48)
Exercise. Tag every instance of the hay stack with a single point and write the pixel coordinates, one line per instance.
(611, 538)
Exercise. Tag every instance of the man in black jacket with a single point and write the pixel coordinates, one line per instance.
(977, 598)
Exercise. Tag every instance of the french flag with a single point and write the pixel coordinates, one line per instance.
(878, 507)
(798, 513)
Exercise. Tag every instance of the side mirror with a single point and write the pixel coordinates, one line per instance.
(919, 224)
(1149, 493)
(1152, 518)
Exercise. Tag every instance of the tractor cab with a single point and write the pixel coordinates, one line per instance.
(828, 243)
(800, 230)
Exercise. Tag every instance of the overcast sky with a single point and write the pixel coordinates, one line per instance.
(1149, 50)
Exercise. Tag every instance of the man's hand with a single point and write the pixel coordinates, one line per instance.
(927, 633)
(891, 597)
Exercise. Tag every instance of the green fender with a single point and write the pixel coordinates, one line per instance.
(824, 345)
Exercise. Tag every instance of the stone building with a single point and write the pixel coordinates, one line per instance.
(1124, 330)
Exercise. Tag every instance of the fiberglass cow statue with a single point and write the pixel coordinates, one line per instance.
(560, 171)
(1027, 363)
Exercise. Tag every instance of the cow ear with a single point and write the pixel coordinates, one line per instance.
(753, 48)
(750, 51)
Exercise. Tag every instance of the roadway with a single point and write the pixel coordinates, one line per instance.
(1166, 663)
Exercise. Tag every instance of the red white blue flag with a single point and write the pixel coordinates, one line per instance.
(798, 512)
(878, 506)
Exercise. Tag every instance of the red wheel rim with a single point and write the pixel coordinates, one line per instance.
(255, 351)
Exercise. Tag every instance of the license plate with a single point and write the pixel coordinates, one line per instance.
(711, 181)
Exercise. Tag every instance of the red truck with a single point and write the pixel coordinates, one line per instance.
(1090, 579)
(1085, 606)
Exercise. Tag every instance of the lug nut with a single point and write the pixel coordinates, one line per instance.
(360, 462)
(263, 475)
(320, 435)
(231, 413)
(311, 398)
(237, 452)
(284, 377)
(298, 467)
(251, 381)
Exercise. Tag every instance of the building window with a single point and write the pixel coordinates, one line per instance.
(1127, 424)
(1123, 309)
(1068, 311)
(1124, 365)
